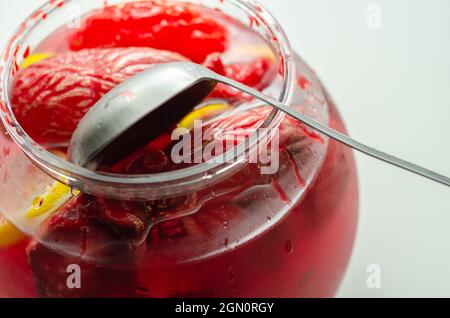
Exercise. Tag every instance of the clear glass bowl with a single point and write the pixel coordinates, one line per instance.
(210, 230)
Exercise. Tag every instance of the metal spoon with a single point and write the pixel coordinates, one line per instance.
(111, 130)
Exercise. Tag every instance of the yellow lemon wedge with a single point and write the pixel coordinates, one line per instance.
(202, 113)
(254, 50)
(48, 203)
(35, 58)
(57, 195)
(51, 201)
(9, 234)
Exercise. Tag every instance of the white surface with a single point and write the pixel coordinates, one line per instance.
(392, 87)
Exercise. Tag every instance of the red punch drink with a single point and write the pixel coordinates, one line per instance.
(154, 224)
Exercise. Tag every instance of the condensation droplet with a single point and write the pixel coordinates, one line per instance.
(5, 178)
(37, 202)
(289, 247)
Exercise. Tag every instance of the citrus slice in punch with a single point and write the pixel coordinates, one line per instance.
(203, 113)
(42, 205)
(35, 58)
(9, 234)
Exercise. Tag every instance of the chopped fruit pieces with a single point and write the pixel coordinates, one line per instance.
(51, 97)
(144, 161)
(185, 29)
(104, 251)
(50, 269)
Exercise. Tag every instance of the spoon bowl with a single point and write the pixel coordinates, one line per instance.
(137, 111)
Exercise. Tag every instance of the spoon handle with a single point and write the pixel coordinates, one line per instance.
(337, 135)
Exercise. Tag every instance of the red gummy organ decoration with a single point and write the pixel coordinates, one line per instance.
(190, 31)
(52, 96)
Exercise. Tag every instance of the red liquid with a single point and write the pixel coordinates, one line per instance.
(304, 255)
(254, 236)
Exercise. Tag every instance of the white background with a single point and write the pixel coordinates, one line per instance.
(392, 86)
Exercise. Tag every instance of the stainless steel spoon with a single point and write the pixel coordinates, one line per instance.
(161, 96)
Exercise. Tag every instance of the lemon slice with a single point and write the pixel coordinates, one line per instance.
(56, 196)
(9, 234)
(205, 112)
(47, 204)
(51, 201)
(254, 50)
(35, 58)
